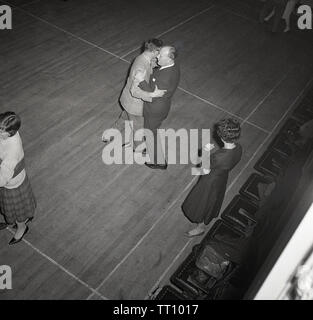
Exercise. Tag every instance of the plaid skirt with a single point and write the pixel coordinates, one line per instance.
(17, 204)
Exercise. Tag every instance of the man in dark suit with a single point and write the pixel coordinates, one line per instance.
(165, 78)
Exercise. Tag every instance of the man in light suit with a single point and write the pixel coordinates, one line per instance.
(167, 78)
(132, 99)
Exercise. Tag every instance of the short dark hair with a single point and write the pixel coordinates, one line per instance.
(228, 129)
(172, 53)
(10, 122)
(153, 44)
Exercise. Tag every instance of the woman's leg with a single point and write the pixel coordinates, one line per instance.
(21, 227)
(268, 17)
(279, 10)
(267, 9)
(290, 6)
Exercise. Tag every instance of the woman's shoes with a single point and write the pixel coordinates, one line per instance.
(194, 233)
(287, 29)
(14, 241)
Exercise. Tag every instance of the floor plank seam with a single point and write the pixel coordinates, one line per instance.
(222, 109)
(29, 3)
(95, 292)
(68, 33)
(246, 120)
(172, 28)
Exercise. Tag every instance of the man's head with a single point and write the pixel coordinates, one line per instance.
(153, 46)
(167, 56)
(9, 124)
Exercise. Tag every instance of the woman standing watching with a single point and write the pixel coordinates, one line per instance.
(205, 199)
(17, 202)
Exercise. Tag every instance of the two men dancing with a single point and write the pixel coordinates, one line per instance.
(146, 97)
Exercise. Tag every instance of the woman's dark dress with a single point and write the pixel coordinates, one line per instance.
(205, 199)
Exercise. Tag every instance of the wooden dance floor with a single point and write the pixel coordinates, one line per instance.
(117, 232)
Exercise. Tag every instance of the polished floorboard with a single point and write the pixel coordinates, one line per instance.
(117, 232)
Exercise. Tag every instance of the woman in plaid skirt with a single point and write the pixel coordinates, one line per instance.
(17, 202)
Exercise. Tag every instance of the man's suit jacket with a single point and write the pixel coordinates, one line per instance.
(165, 79)
(132, 104)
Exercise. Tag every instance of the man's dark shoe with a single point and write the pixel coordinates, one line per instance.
(156, 166)
(3, 225)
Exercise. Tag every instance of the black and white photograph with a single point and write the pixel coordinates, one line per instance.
(156, 155)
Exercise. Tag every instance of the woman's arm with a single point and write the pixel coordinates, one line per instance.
(6, 173)
(206, 160)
